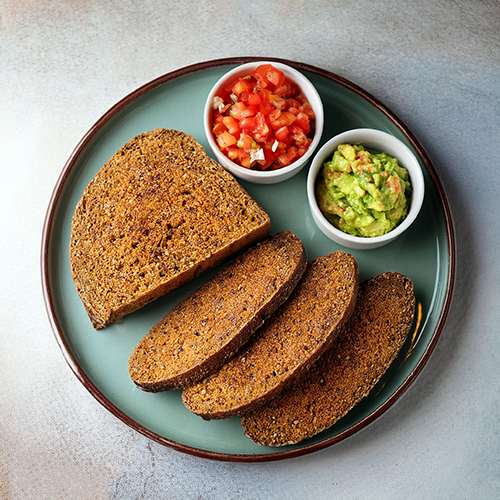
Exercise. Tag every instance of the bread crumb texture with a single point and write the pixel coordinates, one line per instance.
(347, 372)
(155, 216)
(288, 343)
(209, 326)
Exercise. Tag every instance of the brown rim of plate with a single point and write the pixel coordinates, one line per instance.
(279, 455)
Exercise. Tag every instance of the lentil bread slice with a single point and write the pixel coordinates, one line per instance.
(347, 372)
(156, 215)
(288, 343)
(198, 335)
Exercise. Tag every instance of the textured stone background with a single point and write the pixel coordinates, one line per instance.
(435, 63)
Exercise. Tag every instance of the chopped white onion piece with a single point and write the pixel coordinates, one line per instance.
(275, 145)
(257, 154)
(218, 103)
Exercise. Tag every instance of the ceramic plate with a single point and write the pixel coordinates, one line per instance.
(425, 253)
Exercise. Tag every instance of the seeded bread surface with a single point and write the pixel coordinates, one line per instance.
(288, 343)
(347, 372)
(156, 215)
(198, 335)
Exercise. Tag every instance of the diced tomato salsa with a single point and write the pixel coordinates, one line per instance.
(262, 121)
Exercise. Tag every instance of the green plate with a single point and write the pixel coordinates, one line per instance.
(425, 253)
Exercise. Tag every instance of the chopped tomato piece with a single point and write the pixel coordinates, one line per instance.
(288, 156)
(282, 133)
(265, 107)
(241, 86)
(298, 135)
(218, 128)
(267, 75)
(218, 118)
(287, 89)
(253, 99)
(226, 140)
(280, 118)
(232, 125)
(260, 75)
(275, 76)
(246, 161)
(293, 103)
(265, 95)
(307, 109)
(303, 122)
(301, 150)
(248, 123)
(262, 129)
(238, 110)
(233, 153)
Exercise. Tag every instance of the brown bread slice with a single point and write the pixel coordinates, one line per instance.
(292, 339)
(347, 372)
(198, 335)
(156, 215)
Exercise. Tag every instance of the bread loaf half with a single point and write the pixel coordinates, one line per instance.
(288, 343)
(347, 372)
(198, 335)
(156, 215)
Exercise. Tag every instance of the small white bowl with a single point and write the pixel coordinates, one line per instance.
(381, 142)
(271, 176)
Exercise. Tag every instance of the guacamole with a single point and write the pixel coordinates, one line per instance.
(363, 193)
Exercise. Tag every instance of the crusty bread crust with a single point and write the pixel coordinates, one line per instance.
(156, 215)
(288, 343)
(198, 335)
(347, 372)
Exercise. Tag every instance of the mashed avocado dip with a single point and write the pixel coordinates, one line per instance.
(363, 193)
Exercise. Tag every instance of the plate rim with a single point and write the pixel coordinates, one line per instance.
(199, 452)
